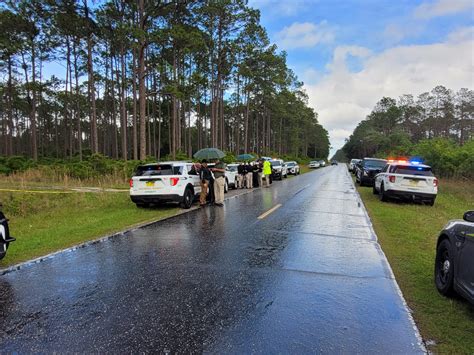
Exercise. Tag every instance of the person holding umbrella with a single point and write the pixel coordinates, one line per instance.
(219, 182)
(218, 170)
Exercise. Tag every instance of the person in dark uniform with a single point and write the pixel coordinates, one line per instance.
(255, 175)
(241, 176)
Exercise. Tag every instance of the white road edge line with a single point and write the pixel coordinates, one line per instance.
(271, 210)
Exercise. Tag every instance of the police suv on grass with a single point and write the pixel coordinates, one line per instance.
(174, 181)
(406, 180)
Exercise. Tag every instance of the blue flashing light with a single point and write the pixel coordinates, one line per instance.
(415, 162)
(420, 168)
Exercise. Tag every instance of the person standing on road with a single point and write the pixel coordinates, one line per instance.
(219, 182)
(240, 176)
(260, 172)
(249, 175)
(205, 176)
(267, 171)
(255, 174)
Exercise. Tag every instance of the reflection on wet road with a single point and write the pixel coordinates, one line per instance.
(308, 277)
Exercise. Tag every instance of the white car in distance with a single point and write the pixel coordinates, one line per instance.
(292, 167)
(314, 164)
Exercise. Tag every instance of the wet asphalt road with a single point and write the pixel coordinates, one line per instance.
(309, 278)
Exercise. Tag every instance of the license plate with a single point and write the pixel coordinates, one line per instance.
(413, 183)
(150, 183)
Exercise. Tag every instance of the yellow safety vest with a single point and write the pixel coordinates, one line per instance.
(267, 168)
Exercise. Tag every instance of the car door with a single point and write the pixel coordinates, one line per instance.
(465, 270)
(380, 176)
(194, 177)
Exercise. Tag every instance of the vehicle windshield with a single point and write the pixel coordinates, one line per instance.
(413, 170)
(290, 164)
(275, 163)
(232, 167)
(159, 169)
(376, 164)
(313, 162)
(354, 161)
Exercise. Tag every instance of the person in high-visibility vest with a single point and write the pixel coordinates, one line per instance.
(267, 171)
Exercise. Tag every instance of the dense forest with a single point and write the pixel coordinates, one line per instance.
(437, 125)
(145, 78)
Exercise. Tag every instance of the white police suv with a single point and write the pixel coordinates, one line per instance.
(174, 181)
(407, 180)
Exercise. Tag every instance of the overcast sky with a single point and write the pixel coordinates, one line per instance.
(351, 53)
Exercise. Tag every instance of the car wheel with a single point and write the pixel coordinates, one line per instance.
(444, 268)
(431, 202)
(285, 176)
(374, 190)
(187, 201)
(235, 184)
(382, 195)
(226, 186)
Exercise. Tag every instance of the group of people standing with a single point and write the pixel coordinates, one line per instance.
(212, 178)
(253, 174)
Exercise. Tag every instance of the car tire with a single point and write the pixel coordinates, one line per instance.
(431, 202)
(285, 176)
(374, 190)
(382, 195)
(187, 201)
(226, 186)
(444, 268)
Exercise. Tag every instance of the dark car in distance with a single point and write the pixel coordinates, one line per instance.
(367, 168)
(454, 263)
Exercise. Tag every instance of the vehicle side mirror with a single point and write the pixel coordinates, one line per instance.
(469, 216)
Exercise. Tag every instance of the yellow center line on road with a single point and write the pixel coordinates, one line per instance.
(270, 211)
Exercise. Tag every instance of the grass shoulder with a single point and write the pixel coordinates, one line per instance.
(407, 233)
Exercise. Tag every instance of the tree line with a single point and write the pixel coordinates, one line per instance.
(142, 78)
(437, 125)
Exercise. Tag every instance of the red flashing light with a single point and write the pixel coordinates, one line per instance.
(435, 182)
(403, 161)
(174, 181)
(131, 182)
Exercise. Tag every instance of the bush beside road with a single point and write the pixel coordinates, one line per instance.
(408, 234)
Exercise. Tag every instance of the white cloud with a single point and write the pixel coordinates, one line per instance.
(304, 35)
(438, 8)
(343, 98)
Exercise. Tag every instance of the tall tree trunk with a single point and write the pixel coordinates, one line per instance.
(123, 110)
(90, 70)
(78, 104)
(134, 94)
(141, 81)
(9, 141)
(34, 144)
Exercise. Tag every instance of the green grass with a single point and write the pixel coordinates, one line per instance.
(44, 223)
(408, 234)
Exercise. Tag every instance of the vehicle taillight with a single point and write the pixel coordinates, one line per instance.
(435, 182)
(174, 181)
(131, 182)
(391, 178)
